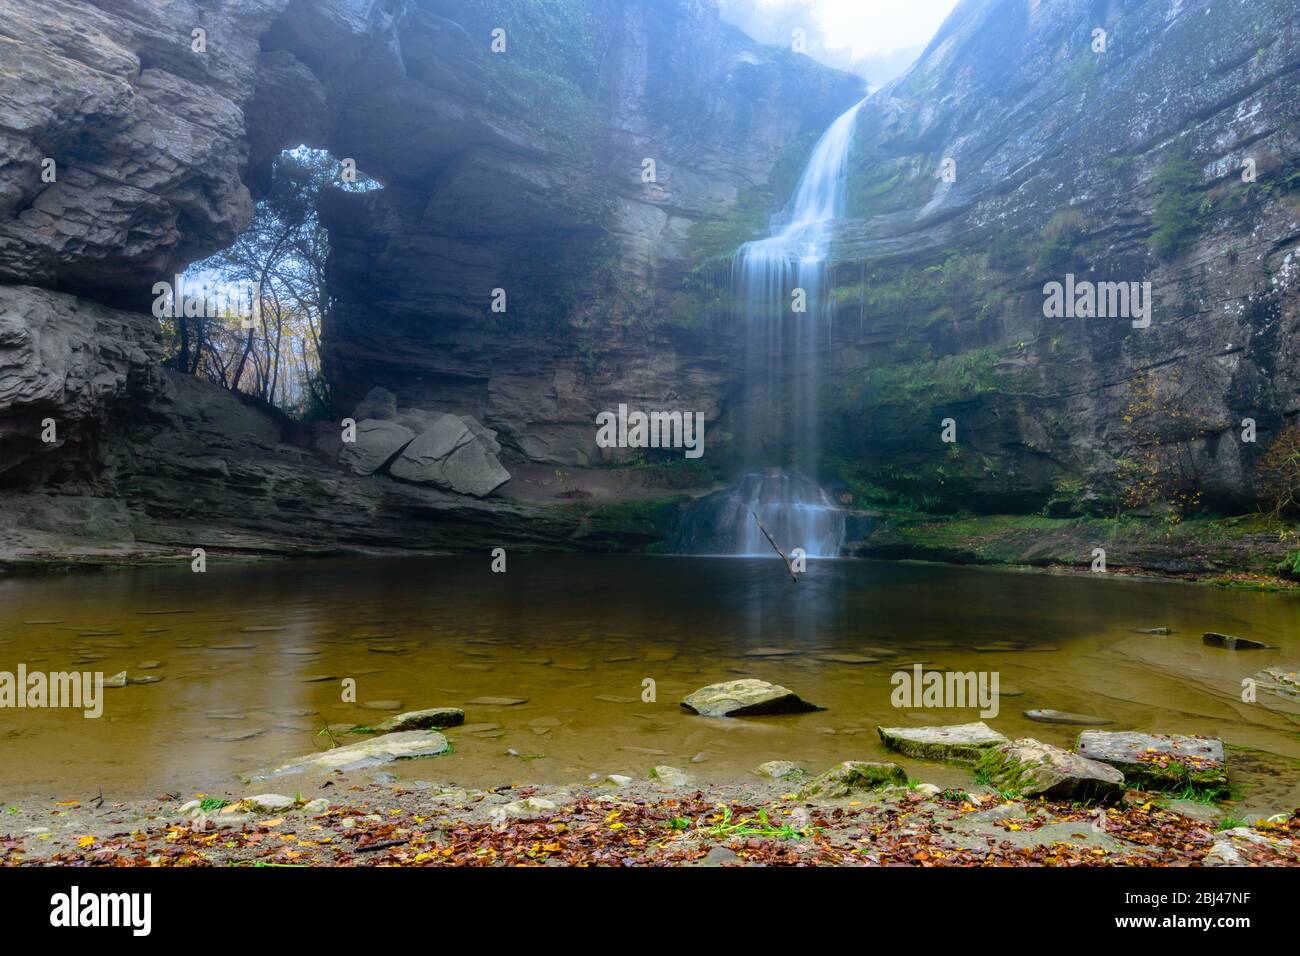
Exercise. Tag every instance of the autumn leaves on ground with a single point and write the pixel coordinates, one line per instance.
(647, 824)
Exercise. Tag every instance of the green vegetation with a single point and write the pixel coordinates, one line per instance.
(1059, 248)
(950, 292)
(933, 382)
(1175, 218)
(760, 826)
(1289, 566)
(649, 523)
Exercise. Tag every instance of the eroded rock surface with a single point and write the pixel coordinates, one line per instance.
(745, 698)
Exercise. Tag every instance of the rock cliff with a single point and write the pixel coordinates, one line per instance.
(135, 136)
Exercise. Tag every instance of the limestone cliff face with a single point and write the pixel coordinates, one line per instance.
(523, 171)
(1122, 165)
(135, 134)
(525, 174)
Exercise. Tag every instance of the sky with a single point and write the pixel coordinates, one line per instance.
(875, 38)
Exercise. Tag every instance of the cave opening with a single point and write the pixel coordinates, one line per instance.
(250, 317)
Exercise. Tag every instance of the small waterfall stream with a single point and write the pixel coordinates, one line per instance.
(781, 362)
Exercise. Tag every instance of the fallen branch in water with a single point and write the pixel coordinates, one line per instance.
(788, 566)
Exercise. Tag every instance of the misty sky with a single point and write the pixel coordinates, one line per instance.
(875, 38)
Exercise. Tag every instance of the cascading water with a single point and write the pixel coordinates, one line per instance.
(781, 289)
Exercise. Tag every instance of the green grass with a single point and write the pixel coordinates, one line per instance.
(759, 826)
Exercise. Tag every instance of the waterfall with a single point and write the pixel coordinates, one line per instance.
(782, 357)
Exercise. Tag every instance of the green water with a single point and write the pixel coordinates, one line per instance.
(252, 660)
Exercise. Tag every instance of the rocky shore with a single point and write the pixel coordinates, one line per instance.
(1116, 799)
(651, 822)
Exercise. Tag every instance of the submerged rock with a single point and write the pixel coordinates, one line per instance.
(1035, 769)
(435, 718)
(1160, 761)
(1064, 717)
(1280, 681)
(853, 776)
(498, 701)
(368, 753)
(1230, 642)
(956, 743)
(746, 698)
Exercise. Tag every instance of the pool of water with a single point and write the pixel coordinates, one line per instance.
(252, 659)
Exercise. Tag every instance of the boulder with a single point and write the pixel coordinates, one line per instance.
(377, 442)
(1230, 642)
(523, 809)
(486, 436)
(473, 470)
(956, 743)
(1243, 846)
(853, 776)
(1035, 769)
(1160, 761)
(746, 698)
(379, 403)
(269, 803)
(435, 718)
(368, 753)
(781, 770)
(670, 776)
(450, 455)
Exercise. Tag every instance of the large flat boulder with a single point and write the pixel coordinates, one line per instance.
(368, 753)
(377, 441)
(746, 698)
(1160, 761)
(956, 743)
(434, 718)
(473, 470)
(853, 776)
(450, 454)
(1035, 769)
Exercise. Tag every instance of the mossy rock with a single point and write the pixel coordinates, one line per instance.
(851, 777)
(1032, 768)
(1164, 762)
(435, 718)
(956, 743)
